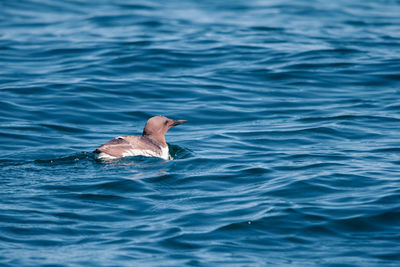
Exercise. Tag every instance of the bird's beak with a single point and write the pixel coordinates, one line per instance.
(177, 122)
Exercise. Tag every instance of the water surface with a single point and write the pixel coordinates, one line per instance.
(290, 156)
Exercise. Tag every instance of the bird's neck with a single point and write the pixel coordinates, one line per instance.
(159, 139)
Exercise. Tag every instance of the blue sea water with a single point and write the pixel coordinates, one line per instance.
(291, 153)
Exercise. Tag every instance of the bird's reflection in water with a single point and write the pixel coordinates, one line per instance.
(138, 167)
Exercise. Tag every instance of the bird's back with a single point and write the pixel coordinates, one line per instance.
(124, 146)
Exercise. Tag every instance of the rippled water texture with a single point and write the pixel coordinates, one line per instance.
(290, 155)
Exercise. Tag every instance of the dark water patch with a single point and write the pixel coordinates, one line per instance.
(351, 118)
(360, 224)
(386, 150)
(61, 128)
(266, 29)
(141, 6)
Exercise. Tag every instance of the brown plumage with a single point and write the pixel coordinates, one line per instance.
(151, 143)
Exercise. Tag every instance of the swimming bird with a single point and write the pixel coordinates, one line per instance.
(150, 144)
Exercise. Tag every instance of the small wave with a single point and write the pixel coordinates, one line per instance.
(72, 159)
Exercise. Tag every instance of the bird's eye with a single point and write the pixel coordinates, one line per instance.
(166, 122)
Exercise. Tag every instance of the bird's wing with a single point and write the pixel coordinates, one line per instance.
(140, 142)
(114, 147)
